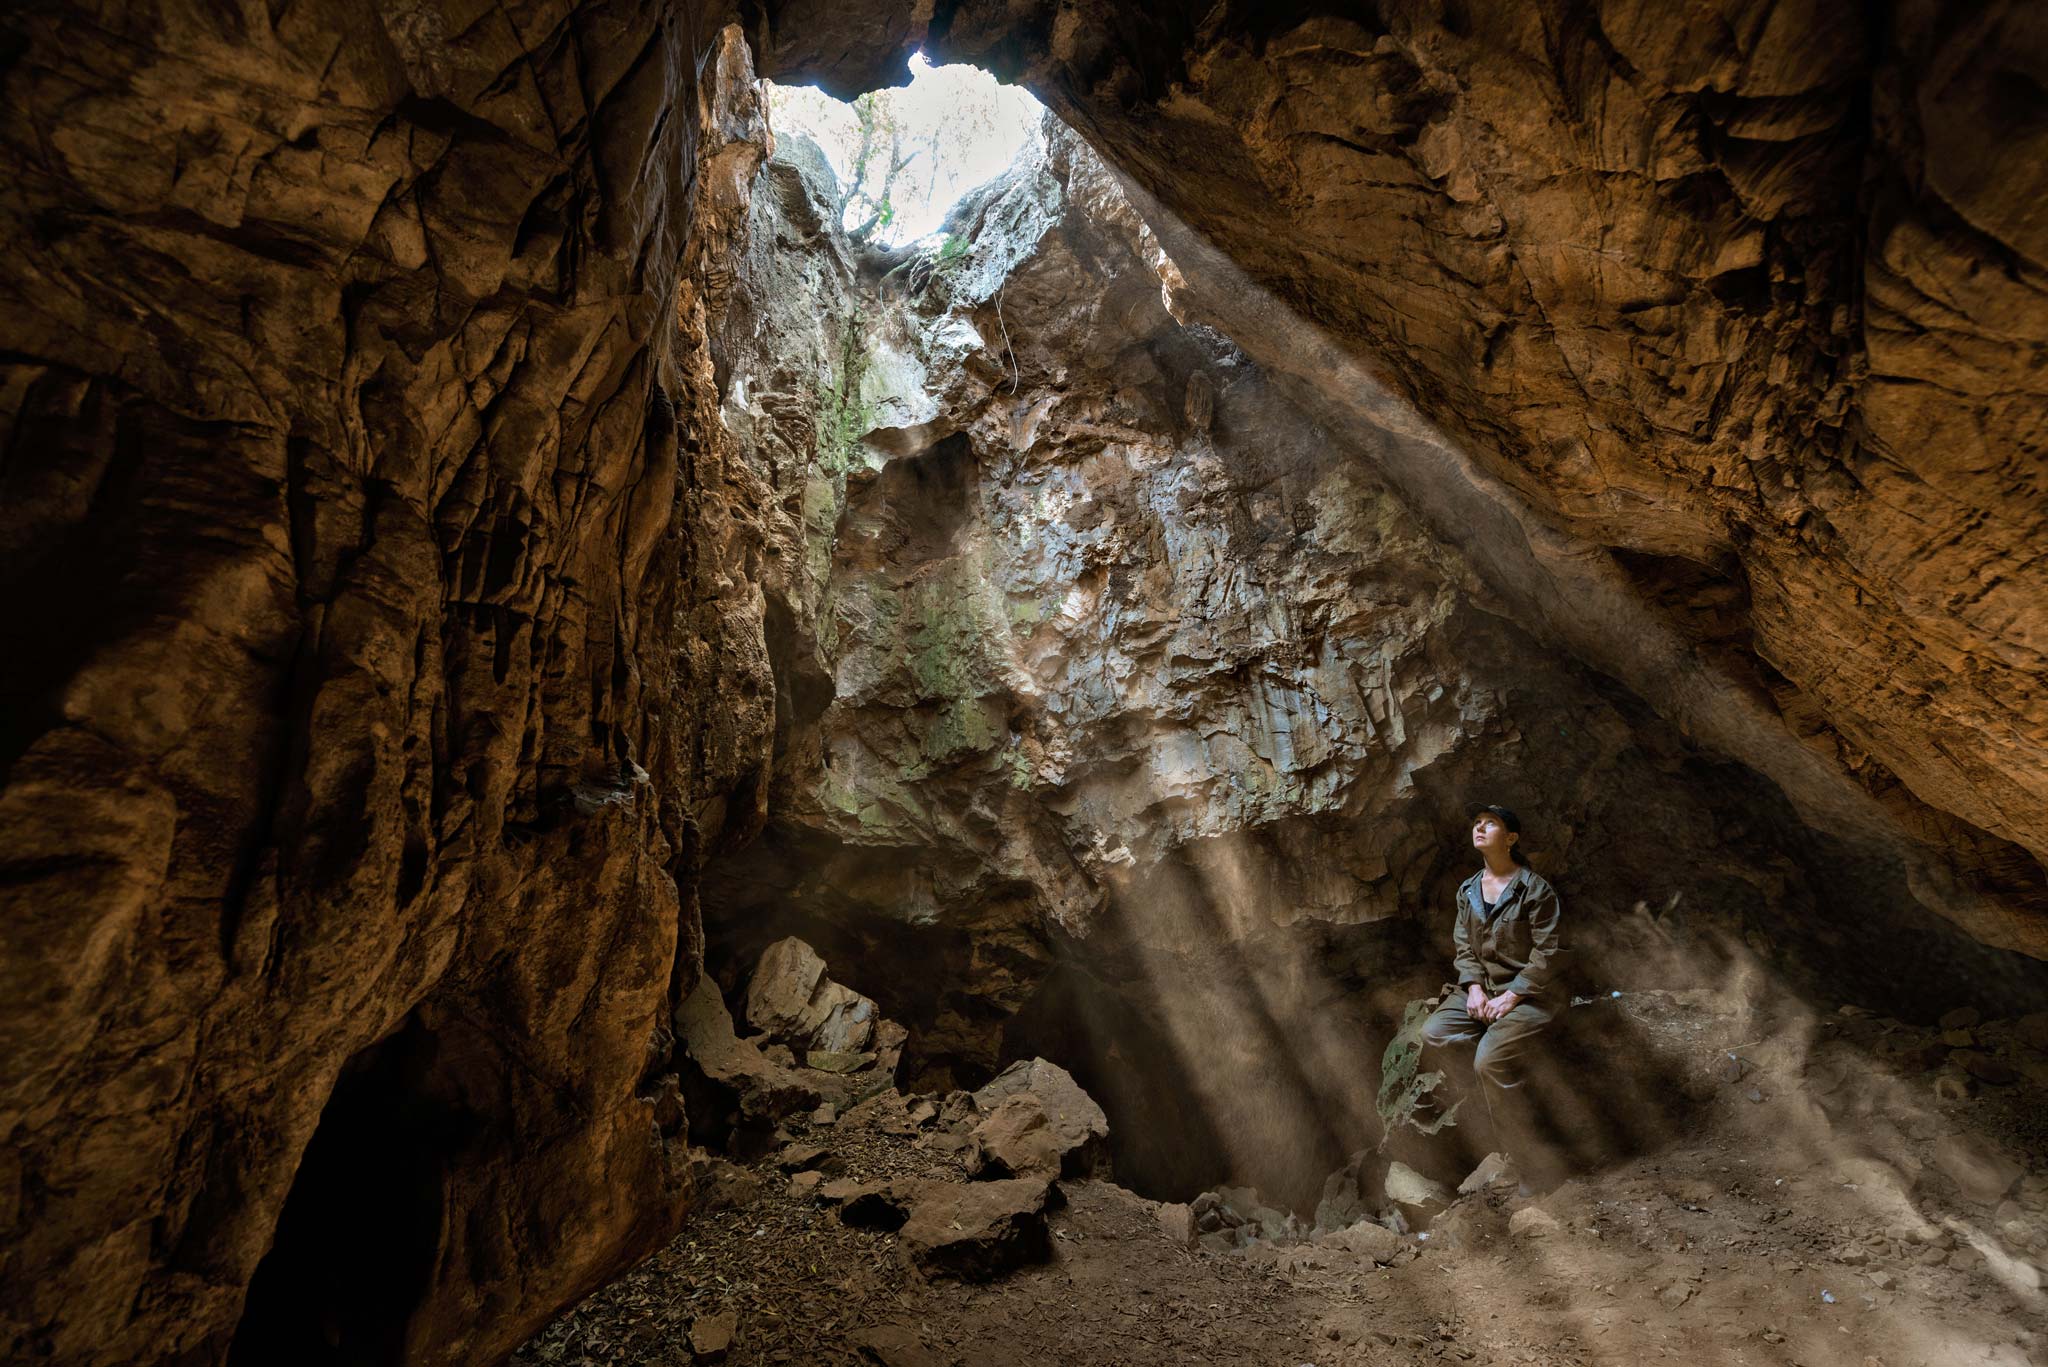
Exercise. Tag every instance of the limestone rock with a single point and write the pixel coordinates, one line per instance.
(1413, 1192)
(1016, 1140)
(1177, 1219)
(1493, 1170)
(1073, 1126)
(766, 1091)
(791, 998)
(977, 1230)
(350, 387)
(1366, 1239)
(711, 1336)
(1533, 1222)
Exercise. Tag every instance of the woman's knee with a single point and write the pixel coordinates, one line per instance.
(1437, 1032)
(1494, 1063)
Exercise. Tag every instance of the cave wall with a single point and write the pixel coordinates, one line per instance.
(1744, 287)
(1137, 712)
(393, 626)
(377, 662)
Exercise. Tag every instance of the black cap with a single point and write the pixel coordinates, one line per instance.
(1507, 819)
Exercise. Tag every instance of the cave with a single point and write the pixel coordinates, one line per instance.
(776, 682)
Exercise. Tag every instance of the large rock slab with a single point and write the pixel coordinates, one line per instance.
(1039, 1116)
(791, 998)
(977, 1230)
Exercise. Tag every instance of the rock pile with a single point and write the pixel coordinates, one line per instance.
(1018, 1135)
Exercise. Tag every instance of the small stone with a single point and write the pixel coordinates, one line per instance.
(801, 1157)
(1178, 1220)
(1883, 1281)
(1533, 1222)
(1951, 1087)
(1852, 1255)
(1980, 1172)
(1962, 1018)
(712, 1335)
(1494, 1169)
(837, 1060)
(1674, 1295)
(826, 1114)
(1407, 1187)
(806, 1183)
(1958, 1039)
(893, 1345)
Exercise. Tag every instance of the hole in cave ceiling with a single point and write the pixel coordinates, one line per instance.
(905, 156)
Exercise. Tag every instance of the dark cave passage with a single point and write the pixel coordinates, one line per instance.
(362, 1227)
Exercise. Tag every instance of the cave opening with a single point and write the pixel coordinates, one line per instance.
(903, 156)
(355, 1247)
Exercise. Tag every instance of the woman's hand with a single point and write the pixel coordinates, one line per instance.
(1493, 1008)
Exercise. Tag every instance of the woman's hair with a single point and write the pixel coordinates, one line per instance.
(1515, 853)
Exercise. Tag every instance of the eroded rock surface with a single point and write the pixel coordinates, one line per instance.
(375, 669)
(1128, 673)
(1742, 292)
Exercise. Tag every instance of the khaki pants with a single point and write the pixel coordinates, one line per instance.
(1506, 1048)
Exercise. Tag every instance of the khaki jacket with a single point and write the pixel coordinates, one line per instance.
(1516, 949)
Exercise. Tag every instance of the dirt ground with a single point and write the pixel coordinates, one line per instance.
(1807, 1219)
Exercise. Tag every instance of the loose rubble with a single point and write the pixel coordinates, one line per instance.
(893, 1232)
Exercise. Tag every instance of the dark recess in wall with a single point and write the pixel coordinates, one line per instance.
(361, 1228)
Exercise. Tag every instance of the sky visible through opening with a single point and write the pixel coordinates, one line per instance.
(951, 129)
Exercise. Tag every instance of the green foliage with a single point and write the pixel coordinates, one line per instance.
(938, 264)
(1402, 1088)
(844, 417)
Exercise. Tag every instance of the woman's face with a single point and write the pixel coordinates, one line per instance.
(1489, 836)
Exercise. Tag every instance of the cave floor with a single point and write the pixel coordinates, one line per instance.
(1756, 1241)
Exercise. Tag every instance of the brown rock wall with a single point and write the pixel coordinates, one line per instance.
(1745, 287)
(365, 708)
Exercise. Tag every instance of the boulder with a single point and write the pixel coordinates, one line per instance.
(1980, 1172)
(977, 1230)
(872, 1205)
(766, 1091)
(2032, 1030)
(1366, 1239)
(1077, 1127)
(1016, 1140)
(791, 998)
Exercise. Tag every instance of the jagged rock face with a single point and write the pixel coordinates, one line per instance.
(365, 708)
(1134, 692)
(1750, 293)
